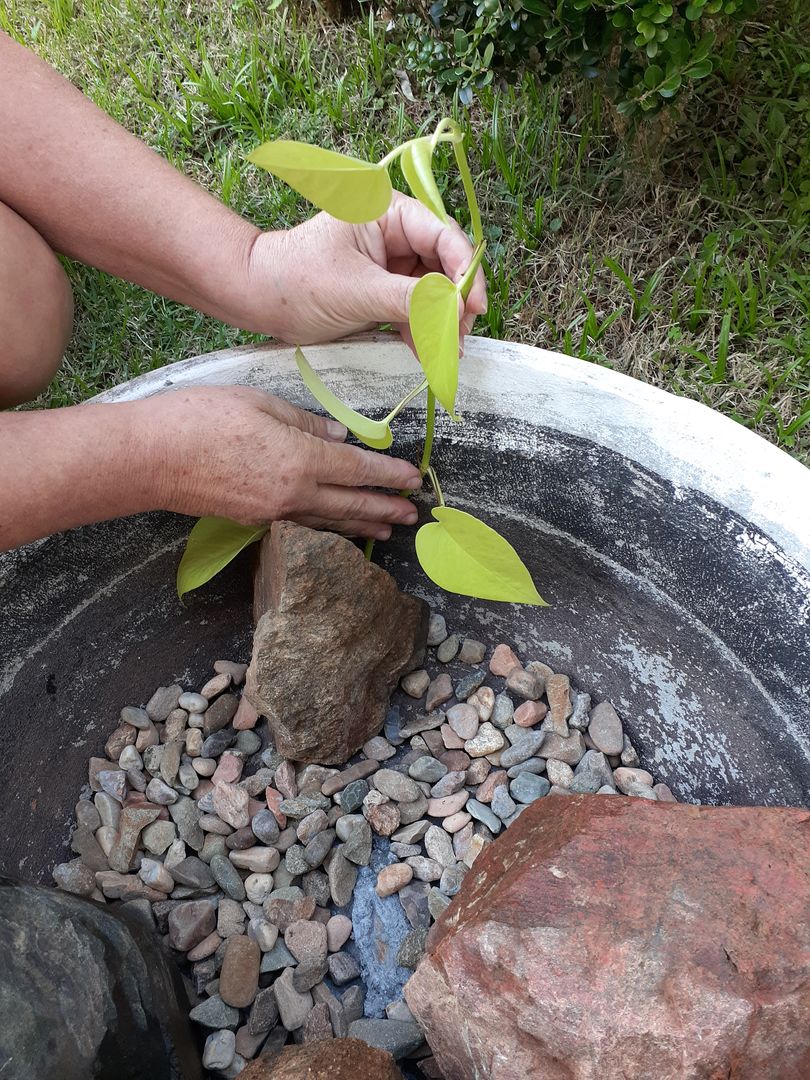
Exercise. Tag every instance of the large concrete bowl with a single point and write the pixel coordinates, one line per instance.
(672, 545)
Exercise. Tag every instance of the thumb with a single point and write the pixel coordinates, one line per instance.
(386, 296)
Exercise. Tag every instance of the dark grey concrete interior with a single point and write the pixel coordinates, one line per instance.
(702, 645)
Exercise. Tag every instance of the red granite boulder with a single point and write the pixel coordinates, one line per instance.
(612, 937)
(333, 636)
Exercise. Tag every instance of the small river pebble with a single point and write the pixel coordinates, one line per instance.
(448, 649)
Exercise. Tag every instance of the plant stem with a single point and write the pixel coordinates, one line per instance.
(367, 550)
(469, 274)
(429, 429)
(406, 401)
(434, 479)
(469, 191)
(392, 155)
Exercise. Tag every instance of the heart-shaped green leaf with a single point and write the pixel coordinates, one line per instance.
(417, 167)
(433, 320)
(211, 545)
(346, 187)
(374, 433)
(463, 555)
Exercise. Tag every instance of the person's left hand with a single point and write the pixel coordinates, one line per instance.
(325, 278)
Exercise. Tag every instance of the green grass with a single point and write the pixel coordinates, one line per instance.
(680, 257)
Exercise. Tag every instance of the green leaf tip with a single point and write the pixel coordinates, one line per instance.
(433, 321)
(211, 545)
(463, 555)
(374, 433)
(347, 188)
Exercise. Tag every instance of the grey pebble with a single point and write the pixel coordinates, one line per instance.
(451, 879)
(437, 903)
(265, 827)
(303, 805)
(393, 723)
(580, 718)
(502, 803)
(193, 703)
(592, 772)
(448, 648)
(525, 747)
(353, 1002)
(318, 848)
(248, 742)
(503, 713)
(214, 1013)
(528, 786)
(428, 769)
(137, 718)
(437, 630)
(534, 765)
(481, 812)
(398, 1037)
(227, 877)
(278, 958)
(219, 1051)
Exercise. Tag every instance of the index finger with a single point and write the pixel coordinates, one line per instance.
(350, 466)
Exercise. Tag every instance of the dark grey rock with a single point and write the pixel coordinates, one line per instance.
(214, 1013)
(263, 1012)
(414, 900)
(351, 798)
(216, 745)
(412, 949)
(126, 1003)
(343, 968)
(194, 873)
(469, 684)
(278, 958)
(398, 1037)
(265, 827)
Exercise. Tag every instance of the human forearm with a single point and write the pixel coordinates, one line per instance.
(67, 467)
(98, 194)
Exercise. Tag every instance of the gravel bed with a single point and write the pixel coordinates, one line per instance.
(298, 900)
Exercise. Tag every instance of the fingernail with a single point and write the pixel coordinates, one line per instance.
(336, 431)
(415, 484)
(383, 533)
(411, 517)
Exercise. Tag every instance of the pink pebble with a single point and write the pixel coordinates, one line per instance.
(530, 713)
(246, 716)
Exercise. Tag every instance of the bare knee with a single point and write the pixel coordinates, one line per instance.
(36, 311)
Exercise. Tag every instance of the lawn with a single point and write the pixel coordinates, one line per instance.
(680, 256)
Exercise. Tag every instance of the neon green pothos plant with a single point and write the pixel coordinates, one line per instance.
(456, 550)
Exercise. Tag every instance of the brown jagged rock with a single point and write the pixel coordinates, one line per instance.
(619, 937)
(333, 1059)
(333, 636)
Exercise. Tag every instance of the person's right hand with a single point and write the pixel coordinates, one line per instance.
(239, 453)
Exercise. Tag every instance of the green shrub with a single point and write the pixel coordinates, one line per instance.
(646, 51)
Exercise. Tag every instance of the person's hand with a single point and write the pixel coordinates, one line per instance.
(239, 453)
(325, 278)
